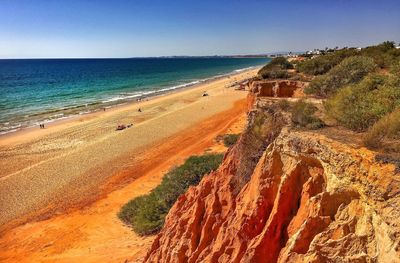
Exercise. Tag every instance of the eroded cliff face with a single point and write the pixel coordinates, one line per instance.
(278, 88)
(286, 196)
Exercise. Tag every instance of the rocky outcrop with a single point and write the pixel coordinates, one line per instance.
(277, 88)
(286, 196)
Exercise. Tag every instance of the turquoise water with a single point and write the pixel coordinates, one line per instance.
(43, 90)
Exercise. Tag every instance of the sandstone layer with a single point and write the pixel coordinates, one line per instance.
(277, 88)
(284, 195)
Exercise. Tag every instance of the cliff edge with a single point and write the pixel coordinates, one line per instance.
(286, 195)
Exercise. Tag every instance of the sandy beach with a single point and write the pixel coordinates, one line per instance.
(61, 187)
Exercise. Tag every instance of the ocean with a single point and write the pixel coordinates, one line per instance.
(34, 91)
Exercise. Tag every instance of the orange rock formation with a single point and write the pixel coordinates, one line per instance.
(277, 88)
(286, 196)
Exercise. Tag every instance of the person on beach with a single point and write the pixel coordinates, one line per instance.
(139, 110)
(121, 127)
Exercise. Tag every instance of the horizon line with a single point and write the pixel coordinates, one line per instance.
(163, 56)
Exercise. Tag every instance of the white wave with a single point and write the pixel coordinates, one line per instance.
(121, 97)
(55, 119)
(8, 131)
(243, 69)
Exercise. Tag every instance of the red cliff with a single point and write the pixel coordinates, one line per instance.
(283, 195)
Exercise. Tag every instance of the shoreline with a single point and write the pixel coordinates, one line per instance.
(17, 135)
(48, 171)
(109, 105)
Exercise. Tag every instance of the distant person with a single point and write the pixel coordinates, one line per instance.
(121, 127)
(139, 110)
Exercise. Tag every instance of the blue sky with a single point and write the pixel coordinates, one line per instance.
(130, 28)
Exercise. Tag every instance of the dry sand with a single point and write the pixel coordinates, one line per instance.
(69, 181)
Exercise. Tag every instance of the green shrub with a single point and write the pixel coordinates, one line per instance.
(323, 63)
(275, 74)
(350, 70)
(281, 62)
(386, 127)
(275, 69)
(146, 214)
(303, 115)
(359, 106)
(395, 69)
(230, 139)
(383, 54)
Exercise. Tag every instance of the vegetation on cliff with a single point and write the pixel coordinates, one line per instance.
(351, 70)
(361, 105)
(230, 139)
(361, 87)
(387, 127)
(384, 55)
(275, 69)
(146, 214)
(303, 115)
(322, 64)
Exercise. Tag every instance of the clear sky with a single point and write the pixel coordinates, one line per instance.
(130, 28)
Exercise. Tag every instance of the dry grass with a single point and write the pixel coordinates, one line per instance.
(386, 128)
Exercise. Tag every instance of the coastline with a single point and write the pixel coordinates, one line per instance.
(49, 171)
(66, 222)
(20, 135)
(118, 101)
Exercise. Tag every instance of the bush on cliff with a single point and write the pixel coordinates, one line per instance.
(322, 64)
(230, 139)
(383, 54)
(275, 74)
(303, 115)
(361, 105)
(276, 69)
(387, 127)
(350, 70)
(280, 62)
(146, 213)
